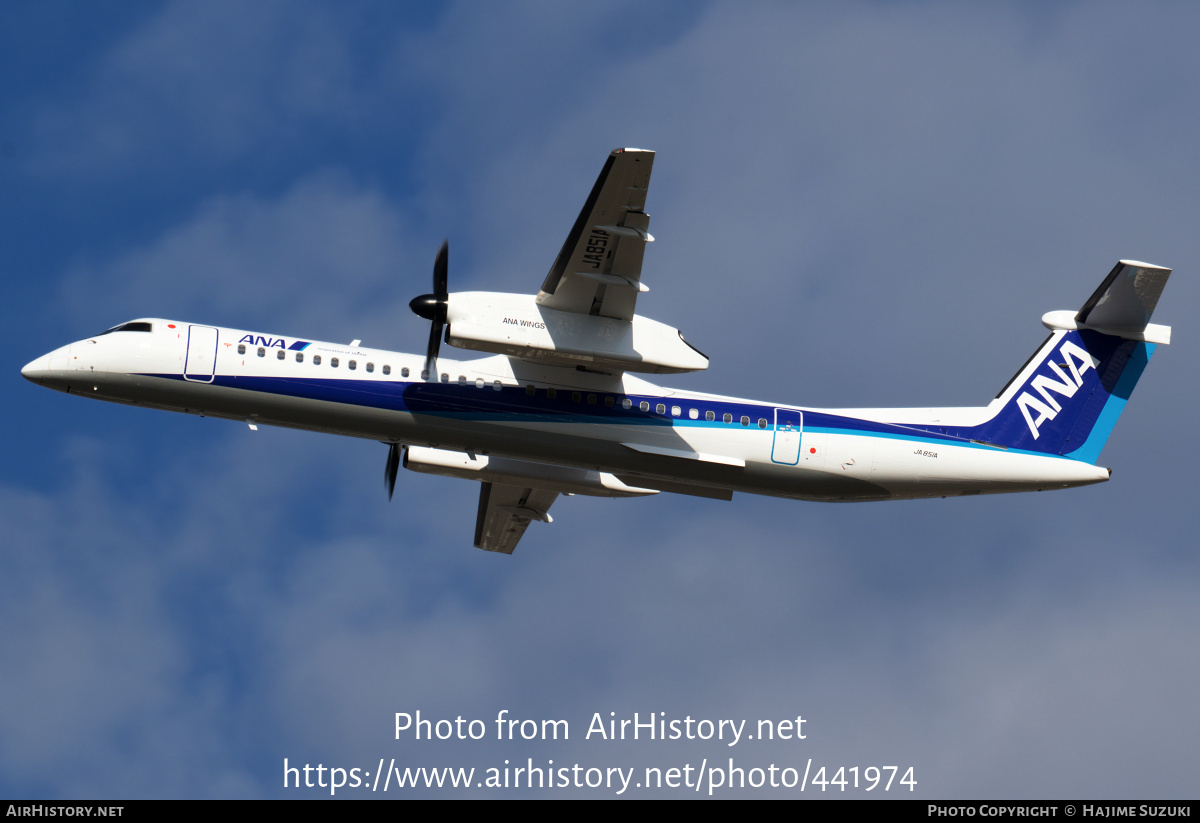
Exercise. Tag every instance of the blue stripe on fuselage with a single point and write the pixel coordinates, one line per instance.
(515, 405)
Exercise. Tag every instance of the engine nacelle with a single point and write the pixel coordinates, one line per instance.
(447, 463)
(516, 325)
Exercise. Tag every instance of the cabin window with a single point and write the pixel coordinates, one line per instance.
(644, 406)
(551, 393)
(576, 397)
(710, 416)
(675, 410)
(728, 418)
(370, 368)
(280, 355)
(333, 362)
(745, 420)
(388, 370)
(762, 422)
(692, 413)
(591, 399)
(352, 365)
(316, 359)
(299, 357)
(530, 390)
(496, 385)
(626, 403)
(262, 352)
(608, 401)
(445, 377)
(661, 408)
(479, 382)
(241, 348)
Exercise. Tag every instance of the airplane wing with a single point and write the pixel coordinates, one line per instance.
(505, 512)
(599, 269)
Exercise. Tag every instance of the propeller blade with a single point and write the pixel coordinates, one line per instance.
(393, 466)
(431, 351)
(433, 307)
(441, 274)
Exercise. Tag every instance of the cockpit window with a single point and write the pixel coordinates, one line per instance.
(139, 325)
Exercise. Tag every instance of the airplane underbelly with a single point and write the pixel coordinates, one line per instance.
(838, 469)
(850, 456)
(911, 469)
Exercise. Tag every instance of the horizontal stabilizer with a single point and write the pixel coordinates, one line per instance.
(1126, 298)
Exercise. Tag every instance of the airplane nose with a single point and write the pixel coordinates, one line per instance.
(35, 370)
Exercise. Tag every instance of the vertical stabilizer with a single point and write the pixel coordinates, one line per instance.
(1067, 398)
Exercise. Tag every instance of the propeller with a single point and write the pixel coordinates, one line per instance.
(393, 466)
(433, 308)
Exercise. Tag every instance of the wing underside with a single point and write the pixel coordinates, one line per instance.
(505, 512)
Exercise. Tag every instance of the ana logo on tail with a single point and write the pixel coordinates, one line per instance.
(1075, 358)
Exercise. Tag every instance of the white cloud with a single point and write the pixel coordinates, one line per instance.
(328, 256)
(203, 82)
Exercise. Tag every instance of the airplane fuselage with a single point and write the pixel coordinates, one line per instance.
(648, 437)
(557, 408)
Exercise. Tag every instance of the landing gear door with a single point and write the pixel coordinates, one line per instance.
(201, 361)
(789, 428)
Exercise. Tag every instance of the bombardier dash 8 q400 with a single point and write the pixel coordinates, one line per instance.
(558, 406)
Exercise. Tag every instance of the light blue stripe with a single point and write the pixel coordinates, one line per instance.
(1089, 452)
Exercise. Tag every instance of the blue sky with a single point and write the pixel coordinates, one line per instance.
(860, 204)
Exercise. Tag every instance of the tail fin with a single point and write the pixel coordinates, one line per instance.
(1066, 399)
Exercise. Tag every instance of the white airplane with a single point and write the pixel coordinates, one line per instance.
(557, 407)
